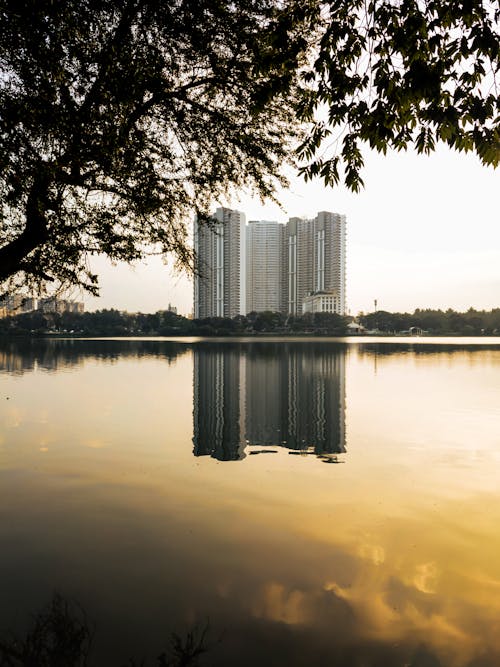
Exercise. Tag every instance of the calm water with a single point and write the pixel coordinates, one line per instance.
(320, 503)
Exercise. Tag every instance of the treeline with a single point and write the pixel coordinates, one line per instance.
(436, 322)
(166, 323)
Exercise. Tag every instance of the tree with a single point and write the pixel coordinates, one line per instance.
(400, 73)
(119, 120)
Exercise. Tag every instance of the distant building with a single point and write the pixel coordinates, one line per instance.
(76, 307)
(314, 261)
(220, 271)
(171, 309)
(330, 255)
(13, 304)
(269, 266)
(47, 305)
(52, 304)
(17, 303)
(264, 247)
(29, 305)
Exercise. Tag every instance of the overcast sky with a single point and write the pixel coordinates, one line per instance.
(425, 232)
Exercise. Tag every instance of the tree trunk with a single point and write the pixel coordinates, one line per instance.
(13, 255)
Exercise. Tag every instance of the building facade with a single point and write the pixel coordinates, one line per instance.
(264, 262)
(220, 268)
(270, 266)
(322, 302)
(54, 305)
(298, 264)
(314, 261)
(330, 256)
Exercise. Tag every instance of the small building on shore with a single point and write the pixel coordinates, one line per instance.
(326, 301)
(355, 328)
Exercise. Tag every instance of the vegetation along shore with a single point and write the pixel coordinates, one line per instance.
(166, 323)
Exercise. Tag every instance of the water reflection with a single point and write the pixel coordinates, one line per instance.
(21, 355)
(254, 399)
(390, 559)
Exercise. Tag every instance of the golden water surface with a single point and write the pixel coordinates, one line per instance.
(319, 502)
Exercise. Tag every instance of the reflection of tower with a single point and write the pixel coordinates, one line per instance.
(316, 400)
(218, 409)
(265, 386)
(296, 397)
(269, 394)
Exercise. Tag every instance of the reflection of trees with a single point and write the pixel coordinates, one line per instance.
(424, 350)
(269, 395)
(61, 636)
(25, 355)
(19, 355)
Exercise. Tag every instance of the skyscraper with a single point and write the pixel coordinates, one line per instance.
(329, 255)
(298, 265)
(264, 262)
(220, 273)
(314, 260)
(269, 266)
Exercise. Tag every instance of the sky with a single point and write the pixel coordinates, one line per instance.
(424, 232)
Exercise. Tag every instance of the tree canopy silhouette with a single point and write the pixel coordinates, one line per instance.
(118, 120)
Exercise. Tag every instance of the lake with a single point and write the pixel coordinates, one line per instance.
(317, 502)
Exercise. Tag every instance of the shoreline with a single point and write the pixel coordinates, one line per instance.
(269, 337)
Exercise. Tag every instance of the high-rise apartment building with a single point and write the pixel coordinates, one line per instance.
(329, 255)
(314, 260)
(269, 266)
(298, 264)
(264, 264)
(220, 278)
